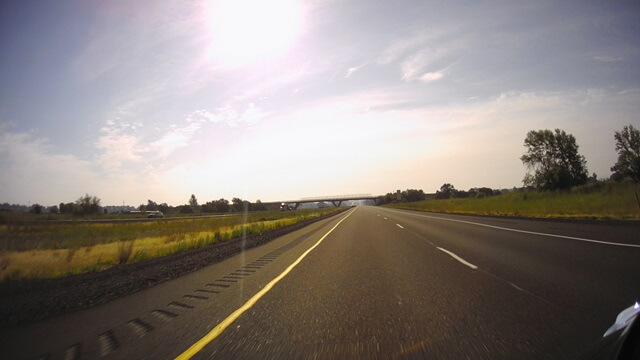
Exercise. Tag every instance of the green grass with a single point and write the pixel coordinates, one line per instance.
(14, 216)
(604, 200)
(54, 250)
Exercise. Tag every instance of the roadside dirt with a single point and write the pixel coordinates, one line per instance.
(28, 301)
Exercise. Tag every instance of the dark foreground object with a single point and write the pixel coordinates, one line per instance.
(621, 341)
(28, 301)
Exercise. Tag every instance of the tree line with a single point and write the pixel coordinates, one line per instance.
(553, 163)
(446, 191)
(90, 205)
(213, 206)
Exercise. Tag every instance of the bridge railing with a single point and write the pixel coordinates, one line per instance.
(332, 198)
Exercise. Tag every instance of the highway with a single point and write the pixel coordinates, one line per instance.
(372, 283)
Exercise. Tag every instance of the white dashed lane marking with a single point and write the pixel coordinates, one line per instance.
(458, 258)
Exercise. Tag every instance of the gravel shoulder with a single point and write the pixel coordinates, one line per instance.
(28, 301)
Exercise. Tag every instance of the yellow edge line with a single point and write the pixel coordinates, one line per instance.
(216, 331)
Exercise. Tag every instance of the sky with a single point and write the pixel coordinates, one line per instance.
(284, 99)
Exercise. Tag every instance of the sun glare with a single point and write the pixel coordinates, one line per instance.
(244, 32)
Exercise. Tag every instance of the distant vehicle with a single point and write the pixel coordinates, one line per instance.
(155, 214)
(285, 207)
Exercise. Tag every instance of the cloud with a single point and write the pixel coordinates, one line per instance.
(608, 58)
(350, 71)
(32, 171)
(177, 137)
(431, 76)
(251, 115)
(415, 64)
(118, 146)
(401, 47)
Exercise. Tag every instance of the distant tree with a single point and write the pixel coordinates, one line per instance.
(208, 207)
(259, 206)
(241, 205)
(554, 159)
(185, 209)
(164, 208)
(446, 191)
(482, 192)
(485, 190)
(193, 203)
(628, 148)
(53, 209)
(412, 195)
(87, 205)
(67, 208)
(237, 204)
(222, 205)
(152, 205)
(386, 199)
(142, 207)
(36, 209)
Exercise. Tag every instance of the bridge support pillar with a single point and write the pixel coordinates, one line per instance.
(339, 202)
(295, 207)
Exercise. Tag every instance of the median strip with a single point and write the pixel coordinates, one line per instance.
(213, 334)
(458, 258)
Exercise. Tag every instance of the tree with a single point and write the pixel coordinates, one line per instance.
(164, 208)
(222, 205)
(66, 208)
(446, 191)
(185, 209)
(87, 205)
(237, 204)
(151, 205)
(259, 206)
(37, 209)
(193, 203)
(241, 205)
(554, 159)
(53, 209)
(628, 148)
(412, 195)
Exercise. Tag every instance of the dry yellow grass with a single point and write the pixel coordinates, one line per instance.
(51, 263)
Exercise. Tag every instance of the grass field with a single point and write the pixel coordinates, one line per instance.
(54, 250)
(604, 200)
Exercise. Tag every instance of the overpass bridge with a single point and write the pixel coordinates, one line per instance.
(336, 200)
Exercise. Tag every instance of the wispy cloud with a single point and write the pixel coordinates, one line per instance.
(177, 137)
(118, 146)
(32, 170)
(352, 70)
(250, 115)
(414, 66)
(402, 46)
(431, 76)
(608, 58)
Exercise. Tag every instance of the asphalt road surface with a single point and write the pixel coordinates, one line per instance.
(372, 283)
